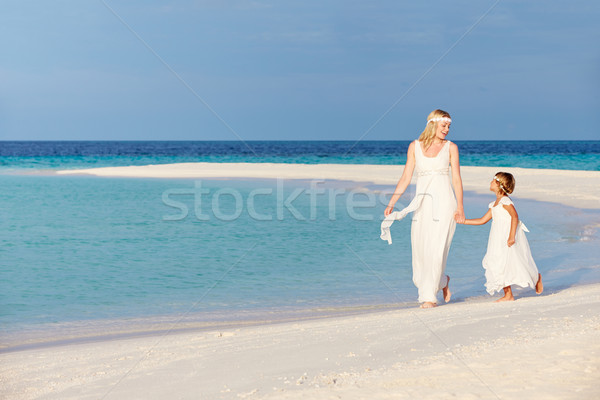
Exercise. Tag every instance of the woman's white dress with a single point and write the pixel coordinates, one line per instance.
(433, 222)
(505, 266)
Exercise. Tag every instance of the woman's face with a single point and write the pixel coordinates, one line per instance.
(442, 130)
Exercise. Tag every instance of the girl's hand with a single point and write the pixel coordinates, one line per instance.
(388, 210)
(510, 241)
(459, 216)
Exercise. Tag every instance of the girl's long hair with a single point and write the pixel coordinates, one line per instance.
(428, 134)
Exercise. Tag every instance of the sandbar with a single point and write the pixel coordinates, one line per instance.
(579, 189)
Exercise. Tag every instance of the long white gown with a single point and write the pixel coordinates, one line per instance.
(433, 222)
(505, 266)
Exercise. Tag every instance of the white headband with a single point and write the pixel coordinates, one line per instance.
(440, 119)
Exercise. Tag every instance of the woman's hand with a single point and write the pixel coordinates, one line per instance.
(510, 241)
(388, 210)
(459, 216)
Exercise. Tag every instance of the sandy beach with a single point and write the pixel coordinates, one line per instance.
(545, 347)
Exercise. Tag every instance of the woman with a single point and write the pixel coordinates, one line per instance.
(435, 207)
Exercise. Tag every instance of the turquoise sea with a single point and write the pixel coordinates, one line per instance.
(84, 256)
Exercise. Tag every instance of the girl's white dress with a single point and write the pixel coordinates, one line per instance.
(505, 266)
(433, 222)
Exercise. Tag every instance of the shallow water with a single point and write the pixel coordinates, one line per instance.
(132, 254)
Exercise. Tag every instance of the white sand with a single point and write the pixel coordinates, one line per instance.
(574, 188)
(538, 347)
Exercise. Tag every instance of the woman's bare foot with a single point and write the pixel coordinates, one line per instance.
(508, 295)
(428, 304)
(539, 286)
(505, 298)
(446, 291)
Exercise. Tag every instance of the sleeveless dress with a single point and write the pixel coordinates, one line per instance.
(433, 222)
(505, 266)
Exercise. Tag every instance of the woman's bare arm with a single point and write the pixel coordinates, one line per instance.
(404, 180)
(459, 215)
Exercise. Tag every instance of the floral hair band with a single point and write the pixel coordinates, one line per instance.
(445, 119)
(500, 184)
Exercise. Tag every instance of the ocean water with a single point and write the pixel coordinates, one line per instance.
(578, 155)
(83, 256)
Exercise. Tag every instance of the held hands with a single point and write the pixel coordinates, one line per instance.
(459, 216)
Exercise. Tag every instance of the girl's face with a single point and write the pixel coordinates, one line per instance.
(494, 185)
(442, 130)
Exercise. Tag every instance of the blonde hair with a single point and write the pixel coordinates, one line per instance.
(428, 134)
(506, 182)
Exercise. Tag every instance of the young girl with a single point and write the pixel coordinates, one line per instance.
(508, 259)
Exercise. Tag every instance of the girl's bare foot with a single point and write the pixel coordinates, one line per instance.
(446, 291)
(428, 304)
(539, 286)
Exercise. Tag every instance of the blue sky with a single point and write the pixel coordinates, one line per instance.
(293, 70)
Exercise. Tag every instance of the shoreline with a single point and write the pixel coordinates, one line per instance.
(573, 188)
(92, 331)
(73, 333)
(459, 348)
